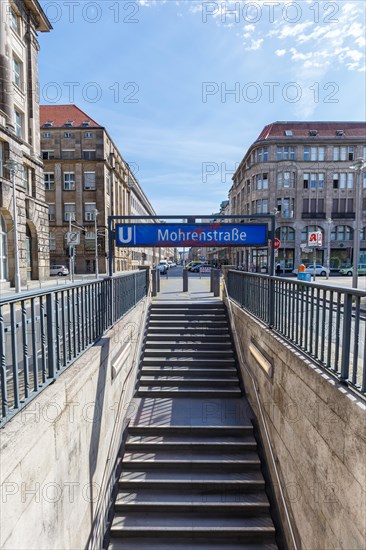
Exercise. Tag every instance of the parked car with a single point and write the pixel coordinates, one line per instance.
(319, 270)
(192, 264)
(163, 267)
(60, 270)
(349, 270)
(196, 268)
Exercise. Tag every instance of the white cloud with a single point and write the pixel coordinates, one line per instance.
(255, 44)
(280, 53)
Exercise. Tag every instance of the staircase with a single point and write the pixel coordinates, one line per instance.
(190, 474)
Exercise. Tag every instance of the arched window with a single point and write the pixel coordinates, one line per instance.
(309, 229)
(3, 250)
(285, 233)
(341, 233)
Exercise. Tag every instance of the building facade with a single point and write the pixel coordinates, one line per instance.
(301, 172)
(20, 161)
(86, 180)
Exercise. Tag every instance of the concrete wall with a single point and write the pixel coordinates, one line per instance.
(318, 433)
(58, 454)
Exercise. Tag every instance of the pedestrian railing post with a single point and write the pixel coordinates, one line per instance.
(346, 336)
(51, 334)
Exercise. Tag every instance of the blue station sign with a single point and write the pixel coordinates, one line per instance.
(213, 234)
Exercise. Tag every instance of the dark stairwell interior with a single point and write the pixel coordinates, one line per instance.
(190, 474)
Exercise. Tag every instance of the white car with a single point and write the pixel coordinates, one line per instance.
(60, 270)
(319, 270)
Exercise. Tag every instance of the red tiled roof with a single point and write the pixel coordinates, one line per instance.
(301, 130)
(60, 114)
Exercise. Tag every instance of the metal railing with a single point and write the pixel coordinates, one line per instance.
(43, 332)
(325, 322)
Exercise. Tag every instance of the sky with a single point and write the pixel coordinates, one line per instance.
(185, 87)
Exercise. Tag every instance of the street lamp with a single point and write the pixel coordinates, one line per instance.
(13, 167)
(96, 243)
(358, 167)
(329, 222)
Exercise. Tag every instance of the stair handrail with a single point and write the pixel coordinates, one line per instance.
(106, 486)
(260, 408)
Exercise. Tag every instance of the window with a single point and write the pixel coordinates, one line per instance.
(90, 208)
(265, 181)
(285, 233)
(316, 153)
(69, 181)
(286, 180)
(89, 154)
(89, 180)
(15, 21)
(262, 154)
(48, 155)
(46, 135)
(343, 153)
(306, 153)
(17, 72)
(335, 181)
(68, 154)
(288, 133)
(90, 240)
(51, 212)
(1, 158)
(49, 181)
(88, 135)
(18, 121)
(346, 181)
(69, 211)
(265, 206)
(68, 135)
(52, 241)
(285, 152)
(306, 179)
(314, 181)
(341, 233)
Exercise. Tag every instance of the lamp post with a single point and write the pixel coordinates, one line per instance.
(13, 167)
(358, 167)
(96, 243)
(329, 222)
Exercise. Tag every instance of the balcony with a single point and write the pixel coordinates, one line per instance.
(343, 215)
(313, 215)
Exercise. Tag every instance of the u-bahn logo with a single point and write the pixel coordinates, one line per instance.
(125, 235)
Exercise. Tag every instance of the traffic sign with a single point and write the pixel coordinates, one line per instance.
(277, 244)
(72, 238)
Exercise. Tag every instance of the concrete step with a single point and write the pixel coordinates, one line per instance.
(191, 307)
(184, 317)
(165, 392)
(190, 431)
(186, 361)
(189, 330)
(197, 322)
(192, 464)
(242, 509)
(181, 381)
(156, 343)
(188, 338)
(204, 354)
(197, 494)
(187, 525)
(189, 371)
(197, 446)
(136, 543)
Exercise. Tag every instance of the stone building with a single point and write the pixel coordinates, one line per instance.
(20, 160)
(86, 176)
(301, 171)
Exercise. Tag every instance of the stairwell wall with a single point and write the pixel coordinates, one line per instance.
(318, 434)
(58, 454)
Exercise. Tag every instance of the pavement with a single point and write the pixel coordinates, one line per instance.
(171, 289)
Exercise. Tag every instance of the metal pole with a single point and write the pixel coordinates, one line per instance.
(356, 235)
(70, 251)
(314, 262)
(17, 282)
(96, 244)
(329, 220)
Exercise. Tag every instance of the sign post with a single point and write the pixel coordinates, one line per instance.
(315, 238)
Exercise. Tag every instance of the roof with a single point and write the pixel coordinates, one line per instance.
(301, 130)
(59, 115)
(44, 24)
